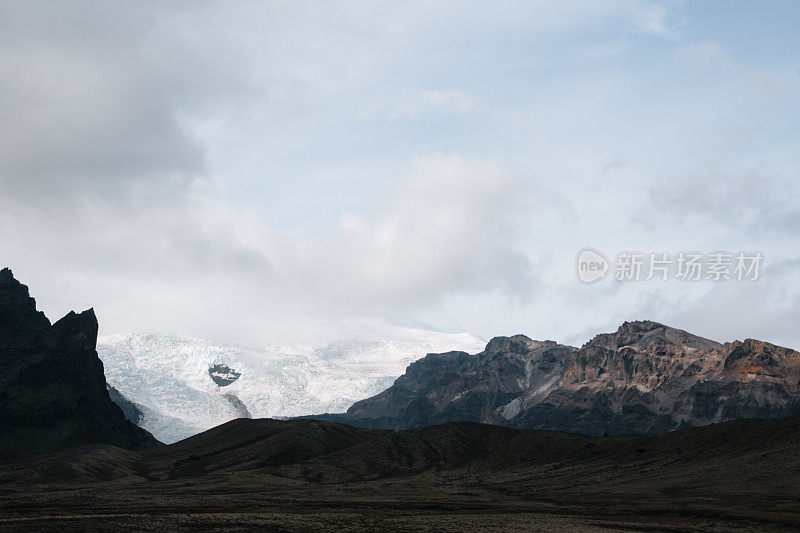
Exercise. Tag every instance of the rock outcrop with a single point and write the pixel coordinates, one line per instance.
(52, 388)
(132, 411)
(222, 374)
(644, 378)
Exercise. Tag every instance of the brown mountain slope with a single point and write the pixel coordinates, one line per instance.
(644, 378)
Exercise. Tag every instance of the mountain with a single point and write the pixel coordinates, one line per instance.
(52, 388)
(306, 475)
(644, 378)
(181, 387)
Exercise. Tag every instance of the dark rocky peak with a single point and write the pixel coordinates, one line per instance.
(646, 335)
(641, 354)
(519, 344)
(643, 378)
(639, 327)
(53, 391)
(79, 328)
(633, 333)
(761, 358)
(17, 309)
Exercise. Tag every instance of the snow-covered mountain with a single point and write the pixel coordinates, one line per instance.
(176, 382)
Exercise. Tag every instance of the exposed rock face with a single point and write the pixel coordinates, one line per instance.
(52, 387)
(241, 408)
(132, 411)
(223, 375)
(510, 374)
(644, 378)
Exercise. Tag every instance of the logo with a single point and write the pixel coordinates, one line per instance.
(592, 266)
(663, 266)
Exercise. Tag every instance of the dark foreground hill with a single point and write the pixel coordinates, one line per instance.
(645, 378)
(52, 386)
(306, 475)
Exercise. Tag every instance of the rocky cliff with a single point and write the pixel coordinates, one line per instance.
(644, 378)
(52, 388)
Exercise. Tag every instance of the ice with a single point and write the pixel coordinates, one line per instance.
(168, 376)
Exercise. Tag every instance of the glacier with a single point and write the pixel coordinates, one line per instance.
(168, 377)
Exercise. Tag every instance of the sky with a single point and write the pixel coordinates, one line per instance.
(260, 171)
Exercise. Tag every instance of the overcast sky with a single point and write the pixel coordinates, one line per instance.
(254, 171)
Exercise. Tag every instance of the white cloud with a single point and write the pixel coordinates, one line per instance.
(418, 104)
(157, 160)
(199, 266)
(655, 19)
(447, 227)
(704, 52)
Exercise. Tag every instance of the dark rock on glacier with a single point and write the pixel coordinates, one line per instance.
(223, 375)
(52, 388)
(644, 378)
(238, 405)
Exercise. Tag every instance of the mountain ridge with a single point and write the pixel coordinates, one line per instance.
(643, 378)
(53, 391)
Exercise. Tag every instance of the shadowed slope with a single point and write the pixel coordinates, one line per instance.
(302, 474)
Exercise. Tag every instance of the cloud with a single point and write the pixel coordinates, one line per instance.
(655, 19)
(88, 107)
(749, 202)
(113, 100)
(703, 53)
(727, 311)
(447, 227)
(206, 169)
(417, 104)
(198, 265)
